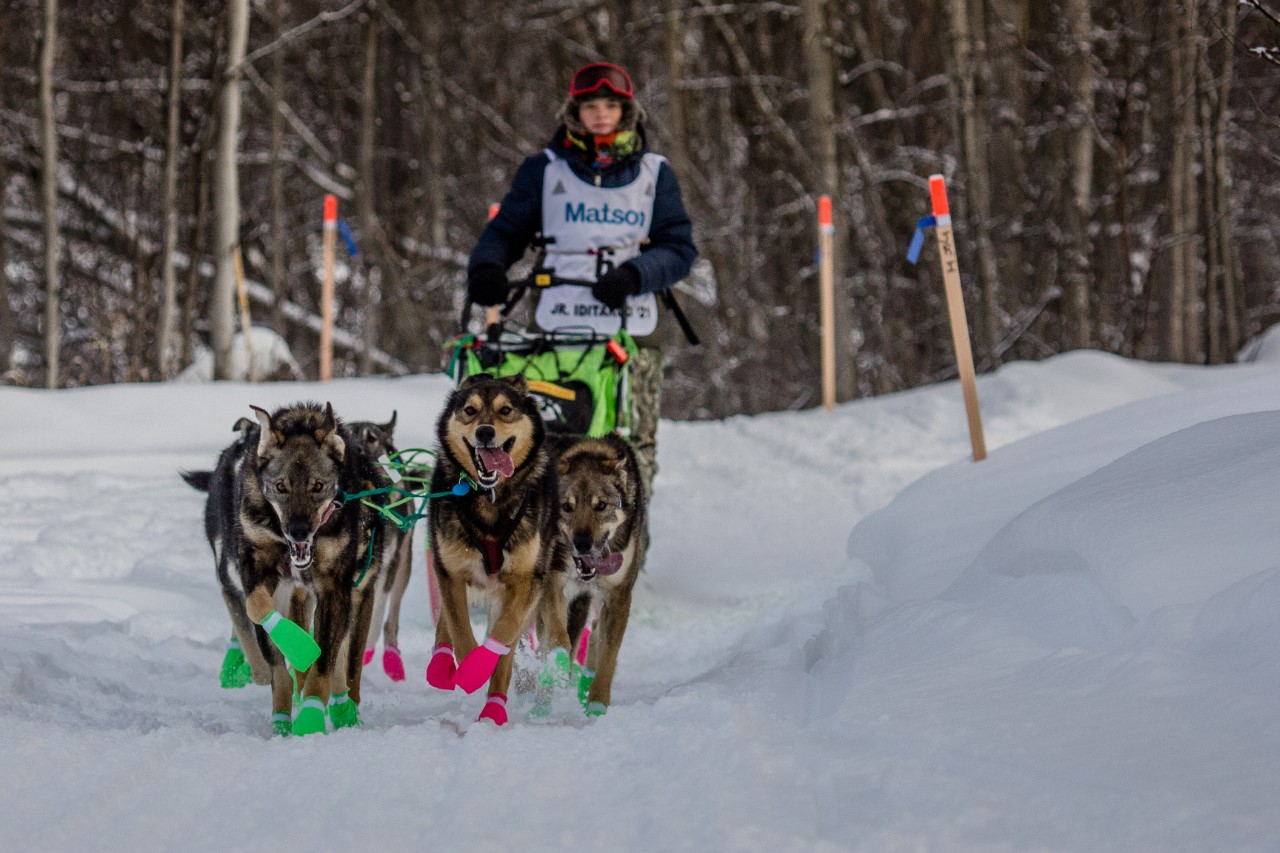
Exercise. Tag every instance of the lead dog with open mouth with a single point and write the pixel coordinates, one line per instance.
(293, 552)
(497, 530)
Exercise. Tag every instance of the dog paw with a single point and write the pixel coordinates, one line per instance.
(392, 663)
(281, 724)
(293, 642)
(343, 712)
(441, 667)
(368, 655)
(311, 717)
(596, 709)
(235, 671)
(585, 677)
(495, 710)
(478, 665)
(555, 672)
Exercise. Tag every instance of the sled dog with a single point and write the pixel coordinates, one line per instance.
(292, 554)
(603, 518)
(378, 441)
(501, 536)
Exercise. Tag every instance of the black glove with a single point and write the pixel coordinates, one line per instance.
(488, 286)
(616, 285)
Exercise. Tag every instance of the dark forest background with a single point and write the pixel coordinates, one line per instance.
(1113, 170)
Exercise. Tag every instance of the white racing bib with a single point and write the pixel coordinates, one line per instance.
(589, 223)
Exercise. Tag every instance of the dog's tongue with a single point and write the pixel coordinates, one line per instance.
(498, 460)
(604, 566)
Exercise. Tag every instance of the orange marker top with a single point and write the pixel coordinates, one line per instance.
(331, 208)
(824, 210)
(493, 209)
(938, 193)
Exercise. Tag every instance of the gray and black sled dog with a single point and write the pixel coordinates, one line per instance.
(602, 514)
(378, 440)
(293, 554)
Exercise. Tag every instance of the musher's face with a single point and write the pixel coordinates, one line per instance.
(600, 115)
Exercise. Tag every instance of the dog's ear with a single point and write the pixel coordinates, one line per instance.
(267, 437)
(389, 428)
(473, 379)
(242, 425)
(327, 434)
(519, 383)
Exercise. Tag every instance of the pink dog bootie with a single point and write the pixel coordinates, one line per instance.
(368, 655)
(392, 663)
(442, 666)
(477, 666)
(495, 709)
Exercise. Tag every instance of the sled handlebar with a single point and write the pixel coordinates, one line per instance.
(537, 279)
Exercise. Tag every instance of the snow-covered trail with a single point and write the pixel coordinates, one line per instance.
(773, 692)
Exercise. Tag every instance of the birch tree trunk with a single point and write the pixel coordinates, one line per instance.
(364, 188)
(433, 189)
(8, 329)
(278, 284)
(226, 193)
(1081, 80)
(969, 42)
(1178, 181)
(826, 173)
(673, 52)
(49, 198)
(166, 350)
(1225, 222)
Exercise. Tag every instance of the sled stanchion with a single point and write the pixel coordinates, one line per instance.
(826, 267)
(955, 309)
(326, 291)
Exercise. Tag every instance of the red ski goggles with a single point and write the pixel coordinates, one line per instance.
(590, 79)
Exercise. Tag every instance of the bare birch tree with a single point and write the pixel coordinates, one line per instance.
(166, 349)
(227, 193)
(49, 197)
(1080, 147)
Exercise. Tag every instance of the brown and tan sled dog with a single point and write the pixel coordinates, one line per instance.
(603, 518)
(501, 536)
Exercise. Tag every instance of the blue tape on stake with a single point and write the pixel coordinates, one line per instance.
(917, 241)
(347, 237)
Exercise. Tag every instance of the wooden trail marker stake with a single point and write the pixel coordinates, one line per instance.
(955, 310)
(326, 289)
(492, 314)
(826, 235)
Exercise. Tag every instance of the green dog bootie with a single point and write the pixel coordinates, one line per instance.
(310, 719)
(596, 709)
(343, 712)
(281, 724)
(235, 670)
(585, 677)
(555, 672)
(294, 643)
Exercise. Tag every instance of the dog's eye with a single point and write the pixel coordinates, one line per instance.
(505, 411)
(567, 506)
(281, 486)
(602, 505)
(317, 487)
(469, 411)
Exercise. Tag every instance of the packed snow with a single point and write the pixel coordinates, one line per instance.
(850, 636)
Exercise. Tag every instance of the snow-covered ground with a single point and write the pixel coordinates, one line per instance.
(849, 636)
